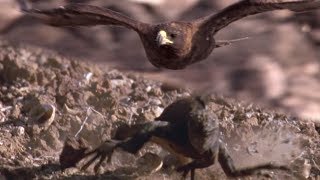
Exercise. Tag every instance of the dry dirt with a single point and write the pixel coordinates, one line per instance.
(44, 98)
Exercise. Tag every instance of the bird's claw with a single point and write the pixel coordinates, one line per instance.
(102, 152)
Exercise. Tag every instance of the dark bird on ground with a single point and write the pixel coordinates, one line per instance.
(188, 129)
(176, 44)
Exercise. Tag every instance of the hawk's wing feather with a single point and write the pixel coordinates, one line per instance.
(245, 8)
(84, 15)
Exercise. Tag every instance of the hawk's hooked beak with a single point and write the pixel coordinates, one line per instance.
(162, 38)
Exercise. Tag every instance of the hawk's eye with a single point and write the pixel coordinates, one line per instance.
(173, 35)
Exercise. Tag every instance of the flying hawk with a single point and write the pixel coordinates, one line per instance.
(175, 44)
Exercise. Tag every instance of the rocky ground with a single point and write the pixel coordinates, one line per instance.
(45, 98)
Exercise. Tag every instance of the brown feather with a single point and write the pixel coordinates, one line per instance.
(251, 7)
(84, 15)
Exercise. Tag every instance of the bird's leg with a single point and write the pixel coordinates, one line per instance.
(228, 167)
(131, 145)
(196, 164)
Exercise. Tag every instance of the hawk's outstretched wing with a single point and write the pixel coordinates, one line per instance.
(84, 15)
(245, 8)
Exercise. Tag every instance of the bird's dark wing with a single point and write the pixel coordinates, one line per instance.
(245, 8)
(84, 15)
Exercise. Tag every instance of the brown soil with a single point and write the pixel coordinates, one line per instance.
(45, 98)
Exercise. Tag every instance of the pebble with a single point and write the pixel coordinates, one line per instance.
(19, 131)
(306, 169)
(148, 89)
(157, 111)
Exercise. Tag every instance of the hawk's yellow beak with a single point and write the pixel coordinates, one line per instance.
(162, 38)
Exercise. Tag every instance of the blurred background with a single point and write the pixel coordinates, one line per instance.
(276, 68)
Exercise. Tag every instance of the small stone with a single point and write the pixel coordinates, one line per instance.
(149, 115)
(237, 147)
(68, 110)
(113, 117)
(149, 163)
(42, 117)
(117, 82)
(156, 92)
(71, 170)
(157, 111)
(88, 76)
(253, 121)
(306, 169)
(155, 102)
(148, 89)
(19, 131)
